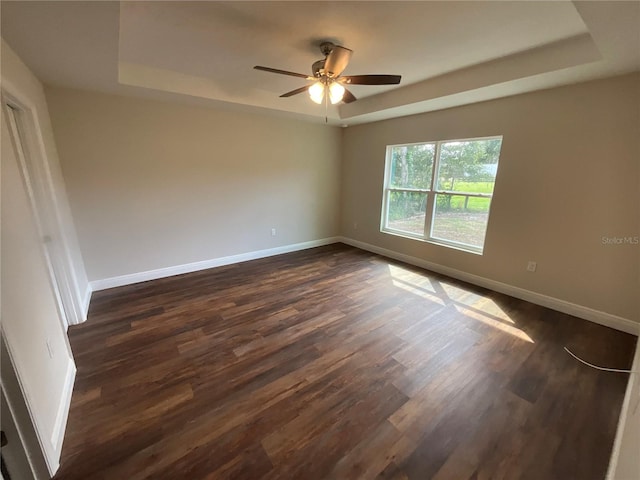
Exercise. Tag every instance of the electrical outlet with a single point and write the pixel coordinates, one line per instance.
(273, 232)
(49, 348)
(531, 266)
(355, 225)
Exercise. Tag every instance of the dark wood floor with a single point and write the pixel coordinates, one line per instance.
(337, 363)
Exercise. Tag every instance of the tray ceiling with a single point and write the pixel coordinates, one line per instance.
(448, 53)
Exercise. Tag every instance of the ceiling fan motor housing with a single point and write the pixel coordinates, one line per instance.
(317, 68)
(326, 47)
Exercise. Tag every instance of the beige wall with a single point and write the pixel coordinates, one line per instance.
(568, 175)
(30, 315)
(156, 185)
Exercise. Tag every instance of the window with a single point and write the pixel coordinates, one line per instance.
(441, 191)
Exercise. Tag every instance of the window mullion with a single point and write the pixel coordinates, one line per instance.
(412, 190)
(466, 194)
(431, 196)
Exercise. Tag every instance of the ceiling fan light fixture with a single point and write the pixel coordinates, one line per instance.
(316, 92)
(336, 92)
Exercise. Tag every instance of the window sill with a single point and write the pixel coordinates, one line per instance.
(435, 241)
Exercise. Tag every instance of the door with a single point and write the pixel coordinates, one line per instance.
(32, 325)
(21, 454)
(38, 183)
(15, 464)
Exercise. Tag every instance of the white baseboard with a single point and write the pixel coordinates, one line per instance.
(129, 279)
(580, 311)
(60, 425)
(629, 406)
(586, 313)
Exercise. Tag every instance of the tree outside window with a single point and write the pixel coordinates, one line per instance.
(441, 191)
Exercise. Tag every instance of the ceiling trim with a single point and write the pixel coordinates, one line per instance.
(571, 52)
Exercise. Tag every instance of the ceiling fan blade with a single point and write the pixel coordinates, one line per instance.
(281, 72)
(371, 79)
(348, 97)
(295, 92)
(337, 61)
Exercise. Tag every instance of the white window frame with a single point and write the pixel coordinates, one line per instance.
(430, 193)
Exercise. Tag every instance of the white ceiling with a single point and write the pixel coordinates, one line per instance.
(448, 53)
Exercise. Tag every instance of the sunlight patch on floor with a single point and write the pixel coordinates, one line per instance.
(493, 321)
(414, 283)
(470, 304)
(460, 294)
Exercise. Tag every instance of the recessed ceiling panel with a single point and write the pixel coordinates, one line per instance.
(222, 41)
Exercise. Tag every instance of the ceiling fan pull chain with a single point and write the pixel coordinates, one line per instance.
(326, 106)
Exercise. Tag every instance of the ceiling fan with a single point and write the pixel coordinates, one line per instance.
(329, 81)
